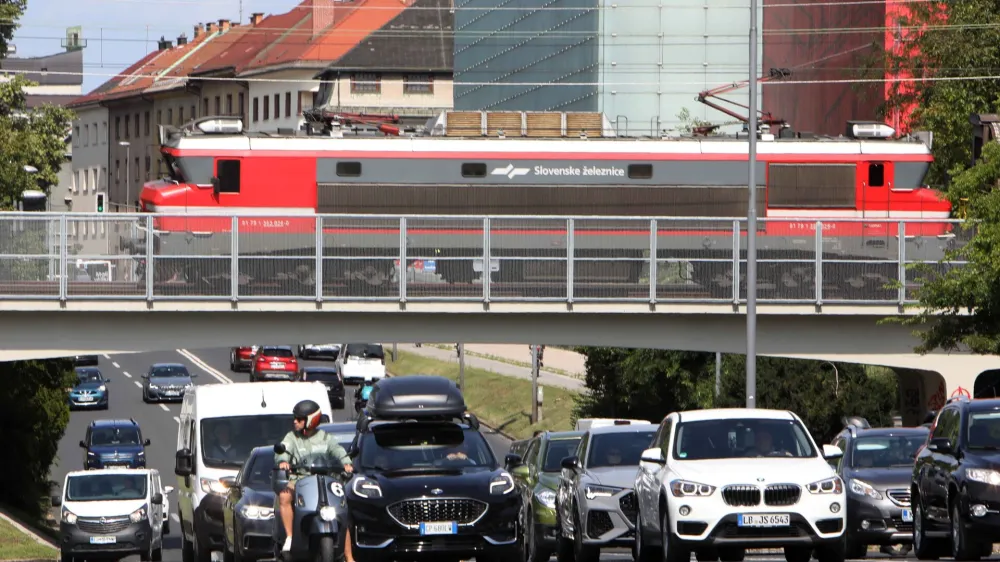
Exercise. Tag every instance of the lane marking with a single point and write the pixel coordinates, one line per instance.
(117, 366)
(126, 374)
(178, 519)
(137, 383)
(164, 408)
(178, 420)
(205, 366)
(106, 356)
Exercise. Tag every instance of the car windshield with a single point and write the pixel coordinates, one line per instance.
(169, 371)
(320, 376)
(618, 449)
(365, 350)
(89, 375)
(103, 436)
(558, 450)
(741, 438)
(103, 486)
(984, 430)
(424, 445)
(275, 352)
(258, 473)
(886, 451)
(227, 442)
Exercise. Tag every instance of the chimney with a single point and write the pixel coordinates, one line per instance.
(224, 25)
(198, 31)
(212, 27)
(322, 16)
(164, 44)
(256, 17)
(182, 39)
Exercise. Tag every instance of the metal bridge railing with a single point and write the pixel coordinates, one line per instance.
(118, 256)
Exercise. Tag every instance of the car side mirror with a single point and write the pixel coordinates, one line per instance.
(194, 375)
(183, 462)
(654, 455)
(831, 452)
(216, 185)
(228, 481)
(56, 501)
(168, 489)
(279, 448)
(82, 444)
(941, 445)
(512, 460)
(570, 463)
(146, 443)
(521, 471)
(157, 498)
(145, 375)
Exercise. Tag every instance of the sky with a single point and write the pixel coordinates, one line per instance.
(120, 32)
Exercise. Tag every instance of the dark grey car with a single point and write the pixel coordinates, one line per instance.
(166, 382)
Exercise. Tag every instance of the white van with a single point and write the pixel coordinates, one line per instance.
(115, 511)
(585, 424)
(360, 362)
(219, 425)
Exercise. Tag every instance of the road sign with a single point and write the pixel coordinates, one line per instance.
(961, 392)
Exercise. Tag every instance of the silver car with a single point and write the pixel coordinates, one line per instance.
(166, 382)
(595, 504)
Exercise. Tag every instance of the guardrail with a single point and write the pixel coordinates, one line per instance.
(118, 256)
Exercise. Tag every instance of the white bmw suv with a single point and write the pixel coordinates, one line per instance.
(720, 481)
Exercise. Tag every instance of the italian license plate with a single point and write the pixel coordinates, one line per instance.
(277, 365)
(764, 520)
(103, 540)
(907, 516)
(439, 528)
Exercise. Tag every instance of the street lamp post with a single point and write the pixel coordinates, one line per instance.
(751, 367)
(836, 375)
(128, 185)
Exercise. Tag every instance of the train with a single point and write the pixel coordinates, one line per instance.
(525, 171)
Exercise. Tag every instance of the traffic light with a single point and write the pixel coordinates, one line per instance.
(100, 201)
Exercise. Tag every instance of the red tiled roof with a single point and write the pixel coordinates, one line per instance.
(253, 39)
(204, 54)
(99, 92)
(327, 32)
(156, 69)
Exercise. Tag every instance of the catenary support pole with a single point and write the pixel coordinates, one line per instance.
(534, 383)
(461, 367)
(751, 367)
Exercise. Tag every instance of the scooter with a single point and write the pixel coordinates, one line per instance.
(319, 512)
(361, 396)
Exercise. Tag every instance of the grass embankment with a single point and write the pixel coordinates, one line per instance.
(499, 401)
(15, 545)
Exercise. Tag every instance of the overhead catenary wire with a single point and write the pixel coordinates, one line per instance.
(615, 7)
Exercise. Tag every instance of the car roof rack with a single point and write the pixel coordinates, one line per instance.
(854, 423)
(416, 398)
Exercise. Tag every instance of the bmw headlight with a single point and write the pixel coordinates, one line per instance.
(593, 492)
(69, 517)
(257, 512)
(502, 484)
(984, 475)
(862, 488)
(685, 488)
(828, 486)
(210, 486)
(366, 487)
(138, 515)
(546, 497)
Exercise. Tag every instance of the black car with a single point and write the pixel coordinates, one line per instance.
(343, 432)
(876, 467)
(111, 443)
(86, 360)
(331, 379)
(248, 513)
(427, 481)
(956, 482)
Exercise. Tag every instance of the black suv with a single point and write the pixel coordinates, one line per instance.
(114, 443)
(956, 482)
(877, 467)
(427, 481)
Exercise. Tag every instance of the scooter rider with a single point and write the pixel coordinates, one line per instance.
(301, 444)
(365, 391)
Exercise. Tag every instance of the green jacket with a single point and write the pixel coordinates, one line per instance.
(301, 449)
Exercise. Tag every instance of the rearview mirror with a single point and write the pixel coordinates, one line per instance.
(56, 501)
(183, 463)
(512, 460)
(654, 455)
(157, 498)
(168, 489)
(82, 444)
(146, 443)
(570, 463)
(940, 445)
(228, 481)
(832, 452)
(521, 471)
(279, 448)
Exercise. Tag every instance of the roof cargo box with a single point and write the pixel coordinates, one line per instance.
(416, 396)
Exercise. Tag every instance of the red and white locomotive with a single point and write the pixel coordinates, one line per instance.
(695, 187)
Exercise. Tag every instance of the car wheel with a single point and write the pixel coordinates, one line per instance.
(924, 548)
(641, 552)
(962, 547)
(672, 549)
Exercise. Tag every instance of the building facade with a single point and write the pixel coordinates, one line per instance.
(509, 59)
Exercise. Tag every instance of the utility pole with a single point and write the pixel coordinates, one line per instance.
(460, 349)
(751, 366)
(394, 349)
(718, 373)
(536, 367)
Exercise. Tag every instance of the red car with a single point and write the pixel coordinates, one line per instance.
(274, 362)
(241, 358)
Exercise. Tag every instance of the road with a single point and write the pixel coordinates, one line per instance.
(159, 425)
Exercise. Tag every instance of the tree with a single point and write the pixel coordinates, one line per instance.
(10, 12)
(34, 415)
(29, 137)
(961, 305)
(945, 42)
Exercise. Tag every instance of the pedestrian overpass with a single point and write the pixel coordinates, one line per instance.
(202, 280)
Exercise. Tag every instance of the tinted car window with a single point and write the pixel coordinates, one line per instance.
(276, 352)
(258, 474)
(618, 449)
(984, 430)
(365, 350)
(114, 436)
(170, 371)
(886, 452)
(321, 376)
(557, 451)
(106, 487)
(401, 446)
(89, 375)
(227, 442)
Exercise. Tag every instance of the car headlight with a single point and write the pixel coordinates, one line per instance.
(91, 454)
(210, 486)
(546, 497)
(502, 484)
(984, 475)
(138, 515)
(102, 388)
(257, 512)
(69, 517)
(154, 387)
(141, 454)
(593, 492)
(327, 513)
(828, 486)
(366, 487)
(685, 488)
(862, 488)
